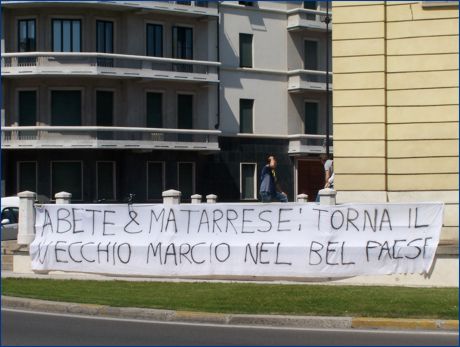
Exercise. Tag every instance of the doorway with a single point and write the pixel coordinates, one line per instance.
(310, 177)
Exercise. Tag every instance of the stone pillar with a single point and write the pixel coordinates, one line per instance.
(327, 196)
(171, 197)
(302, 198)
(196, 199)
(211, 199)
(63, 198)
(26, 232)
(26, 227)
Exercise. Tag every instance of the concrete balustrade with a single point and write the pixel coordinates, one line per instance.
(302, 198)
(211, 199)
(196, 199)
(63, 198)
(327, 196)
(171, 197)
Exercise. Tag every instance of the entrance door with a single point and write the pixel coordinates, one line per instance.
(310, 177)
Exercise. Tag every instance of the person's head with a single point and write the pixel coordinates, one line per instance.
(271, 161)
(324, 157)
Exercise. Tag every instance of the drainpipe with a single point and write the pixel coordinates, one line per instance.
(327, 20)
(217, 125)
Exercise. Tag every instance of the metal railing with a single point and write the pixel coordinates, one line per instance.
(107, 63)
(100, 137)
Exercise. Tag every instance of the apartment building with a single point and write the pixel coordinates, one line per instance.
(395, 105)
(107, 98)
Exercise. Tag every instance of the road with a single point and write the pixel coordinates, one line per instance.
(35, 328)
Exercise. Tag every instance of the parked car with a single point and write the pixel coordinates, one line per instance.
(10, 217)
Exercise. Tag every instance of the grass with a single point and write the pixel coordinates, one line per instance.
(397, 302)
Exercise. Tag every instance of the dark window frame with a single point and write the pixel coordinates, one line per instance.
(62, 36)
(241, 102)
(242, 63)
(254, 193)
(163, 179)
(18, 176)
(97, 37)
(19, 30)
(114, 173)
(154, 25)
(82, 181)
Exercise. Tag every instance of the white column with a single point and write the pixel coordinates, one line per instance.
(327, 196)
(171, 197)
(211, 199)
(26, 227)
(63, 197)
(196, 199)
(302, 198)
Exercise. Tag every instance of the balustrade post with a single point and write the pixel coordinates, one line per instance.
(196, 199)
(171, 197)
(327, 196)
(211, 199)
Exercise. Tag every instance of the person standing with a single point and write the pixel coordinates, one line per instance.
(269, 187)
(328, 164)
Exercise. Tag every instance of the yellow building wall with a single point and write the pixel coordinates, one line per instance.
(395, 103)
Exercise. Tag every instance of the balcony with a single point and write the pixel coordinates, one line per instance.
(308, 80)
(78, 137)
(196, 8)
(109, 65)
(301, 19)
(308, 144)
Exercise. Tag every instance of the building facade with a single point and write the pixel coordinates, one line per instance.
(107, 99)
(395, 68)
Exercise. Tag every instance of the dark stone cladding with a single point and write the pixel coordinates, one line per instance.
(216, 173)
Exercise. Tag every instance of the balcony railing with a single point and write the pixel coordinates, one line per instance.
(300, 19)
(109, 137)
(309, 80)
(107, 64)
(194, 8)
(308, 143)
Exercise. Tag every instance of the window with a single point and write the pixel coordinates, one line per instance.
(246, 3)
(182, 2)
(66, 35)
(311, 55)
(154, 110)
(26, 35)
(245, 50)
(154, 40)
(185, 111)
(66, 107)
(106, 180)
(310, 5)
(27, 107)
(155, 180)
(182, 47)
(246, 117)
(186, 179)
(27, 176)
(67, 176)
(311, 118)
(248, 181)
(104, 108)
(104, 41)
(104, 36)
(201, 3)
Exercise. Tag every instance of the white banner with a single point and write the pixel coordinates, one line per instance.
(283, 240)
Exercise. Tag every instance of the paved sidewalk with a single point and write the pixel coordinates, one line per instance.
(229, 319)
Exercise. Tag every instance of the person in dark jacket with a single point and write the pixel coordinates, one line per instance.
(269, 187)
